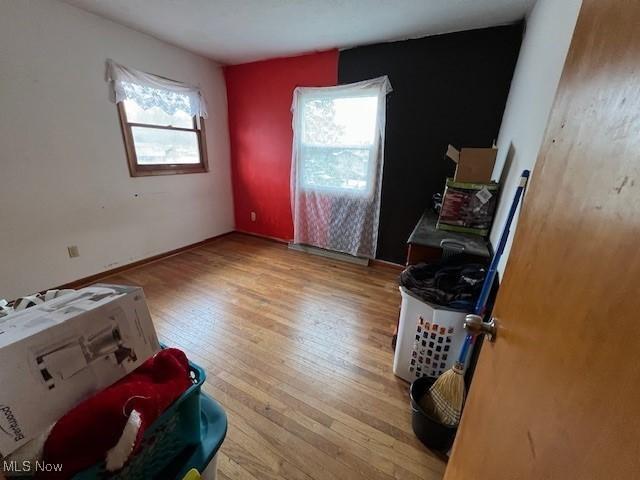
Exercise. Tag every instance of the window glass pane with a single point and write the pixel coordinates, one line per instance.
(156, 116)
(345, 122)
(338, 135)
(335, 168)
(155, 146)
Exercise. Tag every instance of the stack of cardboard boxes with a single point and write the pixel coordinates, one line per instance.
(470, 197)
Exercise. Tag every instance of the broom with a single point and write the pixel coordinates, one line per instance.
(446, 395)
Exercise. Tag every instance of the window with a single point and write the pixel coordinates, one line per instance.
(336, 167)
(158, 143)
(162, 123)
(337, 142)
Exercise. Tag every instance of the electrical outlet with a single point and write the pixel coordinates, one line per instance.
(73, 251)
(253, 216)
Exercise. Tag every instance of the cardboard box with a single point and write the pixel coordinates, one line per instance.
(56, 354)
(474, 165)
(468, 207)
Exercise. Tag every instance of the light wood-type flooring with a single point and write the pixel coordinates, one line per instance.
(297, 351)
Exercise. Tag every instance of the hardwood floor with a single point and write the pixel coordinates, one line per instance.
(297, 350)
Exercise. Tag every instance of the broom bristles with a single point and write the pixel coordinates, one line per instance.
(447, 395)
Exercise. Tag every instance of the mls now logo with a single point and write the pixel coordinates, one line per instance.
(15, 467)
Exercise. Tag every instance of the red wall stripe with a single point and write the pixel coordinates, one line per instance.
(259, 100)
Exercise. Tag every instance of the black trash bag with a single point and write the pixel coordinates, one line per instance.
(448, 284)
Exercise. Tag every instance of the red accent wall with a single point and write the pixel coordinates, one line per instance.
(259, 96)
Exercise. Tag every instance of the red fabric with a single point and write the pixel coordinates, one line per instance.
(259, 97)
(87, 432)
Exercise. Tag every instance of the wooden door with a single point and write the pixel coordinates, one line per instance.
(558, 395)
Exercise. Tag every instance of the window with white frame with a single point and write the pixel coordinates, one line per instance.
(337, 142)
(337, 162)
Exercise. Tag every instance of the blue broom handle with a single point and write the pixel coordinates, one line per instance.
(493, 267)
(462, 358)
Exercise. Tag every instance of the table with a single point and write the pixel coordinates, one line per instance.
(426, 242)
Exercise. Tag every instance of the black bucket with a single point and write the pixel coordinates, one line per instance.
(430, 431)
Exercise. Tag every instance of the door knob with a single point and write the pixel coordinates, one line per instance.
(476, 326)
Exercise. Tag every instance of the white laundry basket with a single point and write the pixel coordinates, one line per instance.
(429, 338)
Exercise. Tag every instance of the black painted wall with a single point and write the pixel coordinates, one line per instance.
(448, 88)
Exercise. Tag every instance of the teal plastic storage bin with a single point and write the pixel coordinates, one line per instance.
(213, 427)
(174, 439)
(187, 435)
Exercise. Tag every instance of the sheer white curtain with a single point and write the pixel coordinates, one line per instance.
(149, 91)
(336, 170)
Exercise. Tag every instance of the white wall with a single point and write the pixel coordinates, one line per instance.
(549, 28)
(63, 173)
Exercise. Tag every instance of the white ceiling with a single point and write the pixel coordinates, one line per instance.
(237, 31)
